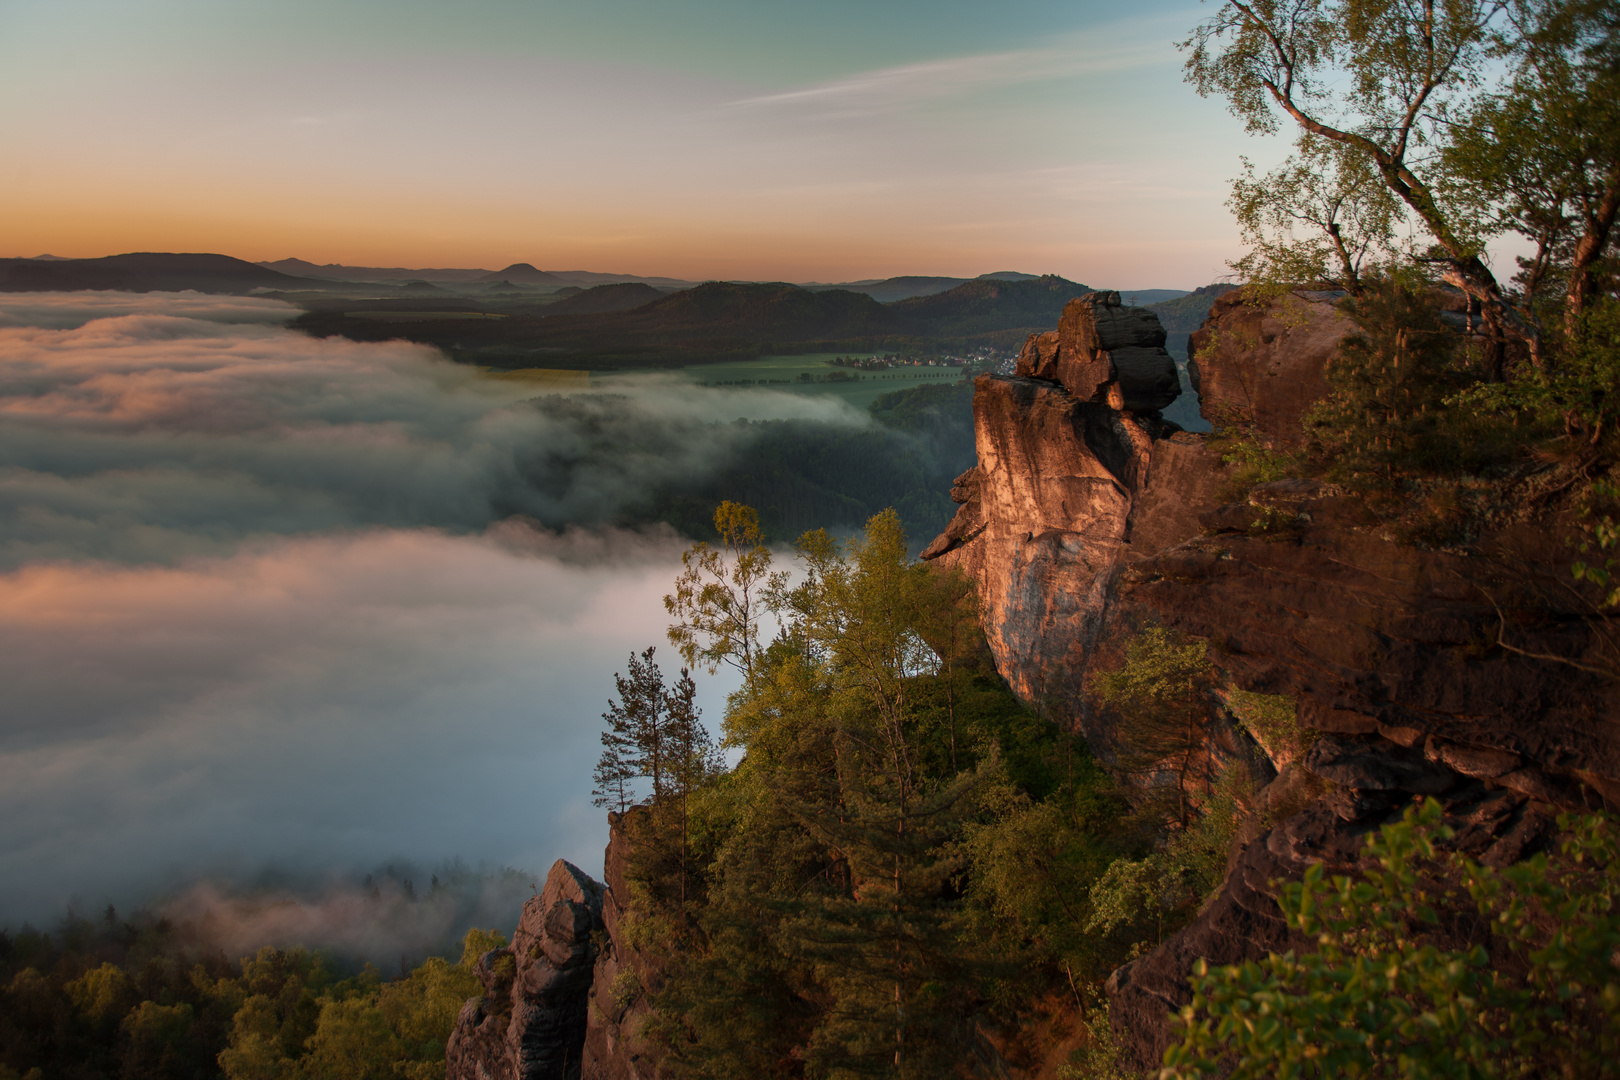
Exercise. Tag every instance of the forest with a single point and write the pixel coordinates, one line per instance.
(801, 475)
(144, 997)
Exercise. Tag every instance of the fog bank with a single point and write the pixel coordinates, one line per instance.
(275, 609)
(136, 432)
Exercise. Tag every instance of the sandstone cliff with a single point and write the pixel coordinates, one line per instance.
(531, 1022)
(1087, 518)
(614, 1049)
(566, 1000)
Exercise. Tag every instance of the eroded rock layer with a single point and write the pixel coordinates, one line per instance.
(530, 1024)
(1087, 519)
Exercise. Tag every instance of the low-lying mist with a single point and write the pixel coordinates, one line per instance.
(276, 610)
(151, 435)
(394, 917)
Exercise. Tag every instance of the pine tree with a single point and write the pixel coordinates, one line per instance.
(615, 772)
(691, 759)
(634, 743)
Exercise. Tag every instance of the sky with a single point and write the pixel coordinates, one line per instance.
(743, 139)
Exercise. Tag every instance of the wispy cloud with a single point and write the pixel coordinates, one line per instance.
(886, 89)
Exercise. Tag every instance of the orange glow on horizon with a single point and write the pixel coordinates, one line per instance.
(692, 241)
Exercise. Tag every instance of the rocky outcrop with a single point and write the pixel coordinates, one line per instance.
(614, 1047)
(1042, 520)
(1265, 363)
(1086, 519)
(531, 1022)
(1046, 511)
(1100, 344)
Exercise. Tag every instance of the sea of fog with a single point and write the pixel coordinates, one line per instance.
(279, 614)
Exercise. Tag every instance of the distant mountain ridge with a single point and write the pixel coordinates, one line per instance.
(1184, 314)
(723, 320)
(222, 273)
(618, 296)
(517, 273)
(148, 271)
(525, 274)
(991, 303)
(339, 272)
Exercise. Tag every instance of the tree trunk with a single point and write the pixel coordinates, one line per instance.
(1588, 250)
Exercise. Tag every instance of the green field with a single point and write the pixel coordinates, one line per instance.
(783, 373)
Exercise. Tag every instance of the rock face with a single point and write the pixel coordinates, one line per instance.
(1266, 363)
(1086, 519)
(614, 1049)
(1045, 512)
(1099, 343)
(530, 1024)
(1042, 519)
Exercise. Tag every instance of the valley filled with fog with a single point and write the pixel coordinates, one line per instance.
(278, 613)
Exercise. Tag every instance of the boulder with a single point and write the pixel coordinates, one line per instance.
(1265, 363)
(1147, 377)
(1100, 345)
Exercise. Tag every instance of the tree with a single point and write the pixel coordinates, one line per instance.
(691, 758)
(721, 594)
(883, 947)
(1162, 693)
(635, 741)
(1478, 117)
(1405, 68)
(834, 884)
(1541, 155)
(1386, 414)
(1331, 194)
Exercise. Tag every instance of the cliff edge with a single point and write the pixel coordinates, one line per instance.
(1088, 517)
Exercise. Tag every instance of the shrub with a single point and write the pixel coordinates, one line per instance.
(1406, 981)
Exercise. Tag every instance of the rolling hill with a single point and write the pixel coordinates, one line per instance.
(989, 304)
(621, 296)
(149, 271)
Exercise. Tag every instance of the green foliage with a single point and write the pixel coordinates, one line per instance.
(1162, 695)
(1102, 1058)
(1539, 154)
(1578, 398)
(862, 897)
(165, 1008)
(1467, 119)
(1034, 860)
(1428, 966)
(1330, 194)
(1239, 444)
(1273, 721)
(477, 943)
(721, 594)
(1163, 888)
(1387, 416)
(1604, 538)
